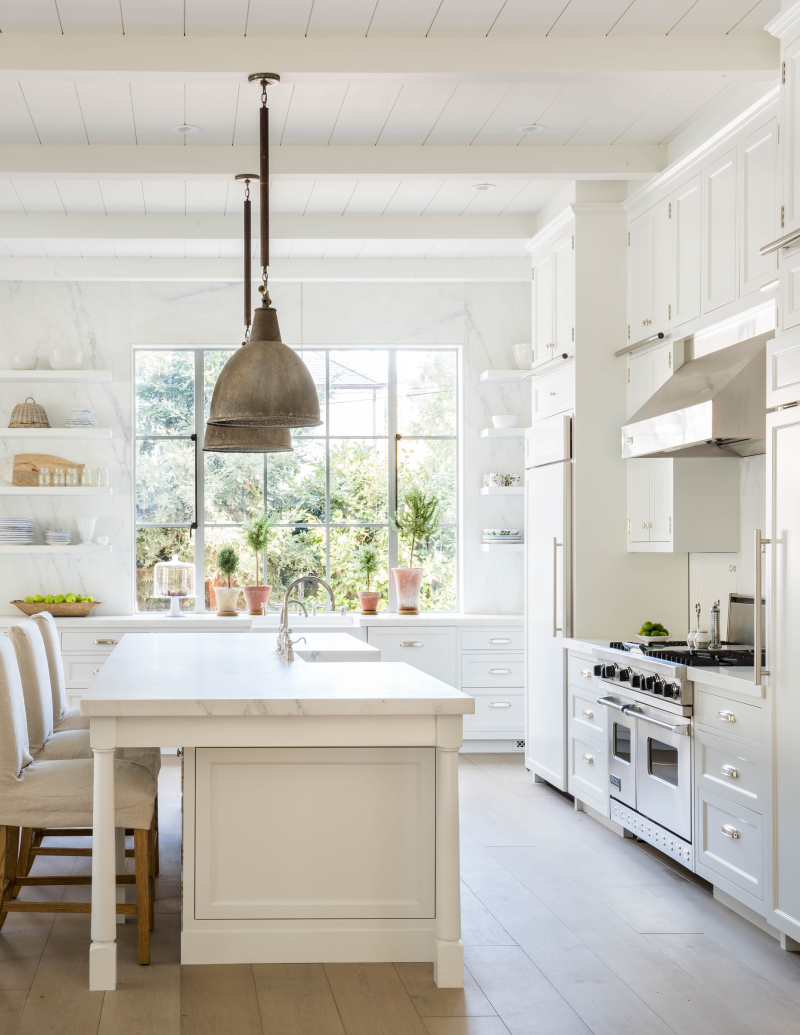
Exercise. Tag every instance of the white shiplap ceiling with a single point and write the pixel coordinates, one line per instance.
(411, 18)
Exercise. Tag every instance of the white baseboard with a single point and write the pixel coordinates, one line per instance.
(308, 946)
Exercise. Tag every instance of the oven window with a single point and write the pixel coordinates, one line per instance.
(662, 761)
(622, 742)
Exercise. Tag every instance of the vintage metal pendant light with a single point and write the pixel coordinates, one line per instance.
(222, 439)
(265, 384)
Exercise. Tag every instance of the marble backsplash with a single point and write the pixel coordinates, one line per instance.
(107, 320)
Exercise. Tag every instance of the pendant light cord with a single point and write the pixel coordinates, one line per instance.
(264, 184)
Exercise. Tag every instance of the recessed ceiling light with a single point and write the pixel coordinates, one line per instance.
(483, 186)
(185, 130)
(531, 128)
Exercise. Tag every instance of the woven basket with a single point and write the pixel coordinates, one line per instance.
(28, 414)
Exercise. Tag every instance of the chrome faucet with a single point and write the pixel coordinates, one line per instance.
(284, 647)
(300, 606)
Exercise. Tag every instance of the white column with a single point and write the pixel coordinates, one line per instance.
(103, 952)
(119, 858)
(448, 961)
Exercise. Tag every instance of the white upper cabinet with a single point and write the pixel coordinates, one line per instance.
(790, 121)
(662, 266)
(719, 237)
(650, 274)
(687, 209)
(758, 157)
(543, 303)
(564, 257)
(554, 299)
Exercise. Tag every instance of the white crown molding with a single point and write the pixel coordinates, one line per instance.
(677, 168)
(597, 206)
(553, 229)
(784, 21)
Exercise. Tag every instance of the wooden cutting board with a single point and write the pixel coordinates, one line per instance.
(26, 467)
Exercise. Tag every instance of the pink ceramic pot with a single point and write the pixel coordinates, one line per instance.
(408, 582)
(369, 602)
(255, 596)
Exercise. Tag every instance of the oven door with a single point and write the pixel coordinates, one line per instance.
(664, 771)
(621, 750)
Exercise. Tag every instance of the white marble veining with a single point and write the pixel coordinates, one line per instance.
(230, 674)
(107, 320)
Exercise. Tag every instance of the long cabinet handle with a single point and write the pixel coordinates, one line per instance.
(759, 542)
(732, 771)
(614, 704)
(727, 716)
(411, 643)
(782, 242)
(556, 628)
(499, 671)
(110, 643)
(499, 704)
(500, 639)
(675, 727)
(730, 831)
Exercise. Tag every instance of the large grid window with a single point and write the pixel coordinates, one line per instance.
(390, 420)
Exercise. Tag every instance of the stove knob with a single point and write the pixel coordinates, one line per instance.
(673, 690)
(624, 675)
(598, 670)
(649, 682)
(658, 685)
(636, 679)
(609, 671)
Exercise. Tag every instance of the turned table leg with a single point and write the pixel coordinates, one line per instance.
(448, 963)
(103, 952)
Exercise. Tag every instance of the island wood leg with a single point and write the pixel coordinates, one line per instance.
(103, 952)
(448, 963)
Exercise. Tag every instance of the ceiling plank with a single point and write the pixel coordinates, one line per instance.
(415, 112)
(16, 124)
(312, 112)
(212, 18)
(34, 16)
(157, 107)
(466, 113)
(523, 17)
(107, 112)
(278, 17)
(650, 18)
(55, 111)
(587, 17)
(712, 17)
(364, 112)
(89, 17)
(335, 18)
(403, 17)
(152, 17)
(465, 17)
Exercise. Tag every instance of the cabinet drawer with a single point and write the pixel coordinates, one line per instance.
(580, 672)
(730, 769)
(588, 767)
(554, 393)
(496, 712)
(730, 842)
(730, 717)
(497, 669)
(99, 641)
(585, 714)
(500, 638)
(432, 650)
(80, 669)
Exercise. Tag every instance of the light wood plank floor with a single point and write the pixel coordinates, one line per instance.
(568, 929)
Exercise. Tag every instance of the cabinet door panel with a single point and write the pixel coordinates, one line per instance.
(719, 272)
(564, 257)
(640, 480)
(642, 281)
(661, 530)
(543, 286)
(640, 382)
(790, 289)
(661, 361)
(791, 143)
(662, 267)
(757, 165)
(687, 258)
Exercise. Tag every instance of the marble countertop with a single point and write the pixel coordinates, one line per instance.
(230, 674)
(723, 677)
(338, 647)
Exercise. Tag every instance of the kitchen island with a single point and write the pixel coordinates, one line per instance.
(320, 810)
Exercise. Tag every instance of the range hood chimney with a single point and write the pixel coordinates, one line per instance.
(712, 406)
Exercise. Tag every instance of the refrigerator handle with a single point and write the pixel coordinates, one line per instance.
(759, 671)
(556, 628)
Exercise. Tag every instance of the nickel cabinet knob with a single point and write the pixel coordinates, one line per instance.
(729, 770)
(730, 831)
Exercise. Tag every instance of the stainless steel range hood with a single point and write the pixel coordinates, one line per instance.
(712, 406)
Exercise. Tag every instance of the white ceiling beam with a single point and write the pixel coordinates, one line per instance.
(356, 58)
(317, 162)
(166, 226)
(280, 269)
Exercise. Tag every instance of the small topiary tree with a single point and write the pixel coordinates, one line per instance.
(368, 560)
(256, 533)
(227, 562)
(418, 519)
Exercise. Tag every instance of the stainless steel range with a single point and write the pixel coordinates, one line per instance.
(650, 698)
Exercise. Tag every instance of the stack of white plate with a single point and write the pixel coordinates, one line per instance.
(502, 535)
(16, 530)
(53, 537)
(81, 419)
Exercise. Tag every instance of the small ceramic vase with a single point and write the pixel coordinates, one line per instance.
(255, 597)
(368, 601)
(408, 582)
(227, 598)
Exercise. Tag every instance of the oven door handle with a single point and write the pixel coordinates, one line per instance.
(614, 704)
(679, 728)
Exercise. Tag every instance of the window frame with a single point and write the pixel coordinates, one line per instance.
(199, 526)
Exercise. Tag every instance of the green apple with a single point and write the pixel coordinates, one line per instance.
(70, 598)
(88, 600)
(39, 599)
(60, 598)
(78, 598)
(28, 600)
(49, 599)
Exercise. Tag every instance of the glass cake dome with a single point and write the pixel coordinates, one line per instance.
(173, 580)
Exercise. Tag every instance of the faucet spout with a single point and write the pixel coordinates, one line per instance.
(284, 647)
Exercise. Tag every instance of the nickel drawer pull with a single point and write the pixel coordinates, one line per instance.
(729, 770)
(95, 671)
(727, 716)
(589, 759)
(588, 713)
(411, 643)
(500, 639)
(586, 673)
(499, 704)
(109, 643)
(730, 831)
(499, 671)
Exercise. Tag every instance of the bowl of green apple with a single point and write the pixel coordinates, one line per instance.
(60, 605)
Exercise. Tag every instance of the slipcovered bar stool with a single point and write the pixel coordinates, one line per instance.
(44, 698)
(57, 794)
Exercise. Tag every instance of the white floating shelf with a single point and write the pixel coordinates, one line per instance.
(36, 490)
(60, 548)
(502, 547)
(502, 377)
(58, 376)
(502, 432)
(66, 433)
(503, 490)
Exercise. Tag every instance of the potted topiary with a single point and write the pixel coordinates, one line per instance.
(418, 520)
(227, 596)
(256, 536)
(368, 561)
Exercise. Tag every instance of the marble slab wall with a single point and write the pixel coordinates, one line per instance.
(107, 320)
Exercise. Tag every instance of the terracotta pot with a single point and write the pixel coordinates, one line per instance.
(227, 599)
(255, 596)
(408, 582)
(368, 601)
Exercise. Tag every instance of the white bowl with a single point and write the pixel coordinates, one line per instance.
(523, 356)
(62, 359)
(24, 362)
(501, 531)
(505, 420)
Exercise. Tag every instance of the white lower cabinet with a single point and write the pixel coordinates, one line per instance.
(728, 768)
(588, 770)
(496, 711)
(431, 649)
(730, 845)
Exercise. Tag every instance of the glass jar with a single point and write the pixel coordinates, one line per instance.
(72, 477)
(44, 475)
(101, 478)
(59, 479)
(173, 580)
(86, 477)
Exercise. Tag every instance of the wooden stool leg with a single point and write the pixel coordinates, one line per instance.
(157, 869)
(142, 863)
(11, 839)
(151, 844)
(38, 837)
(25, 861)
